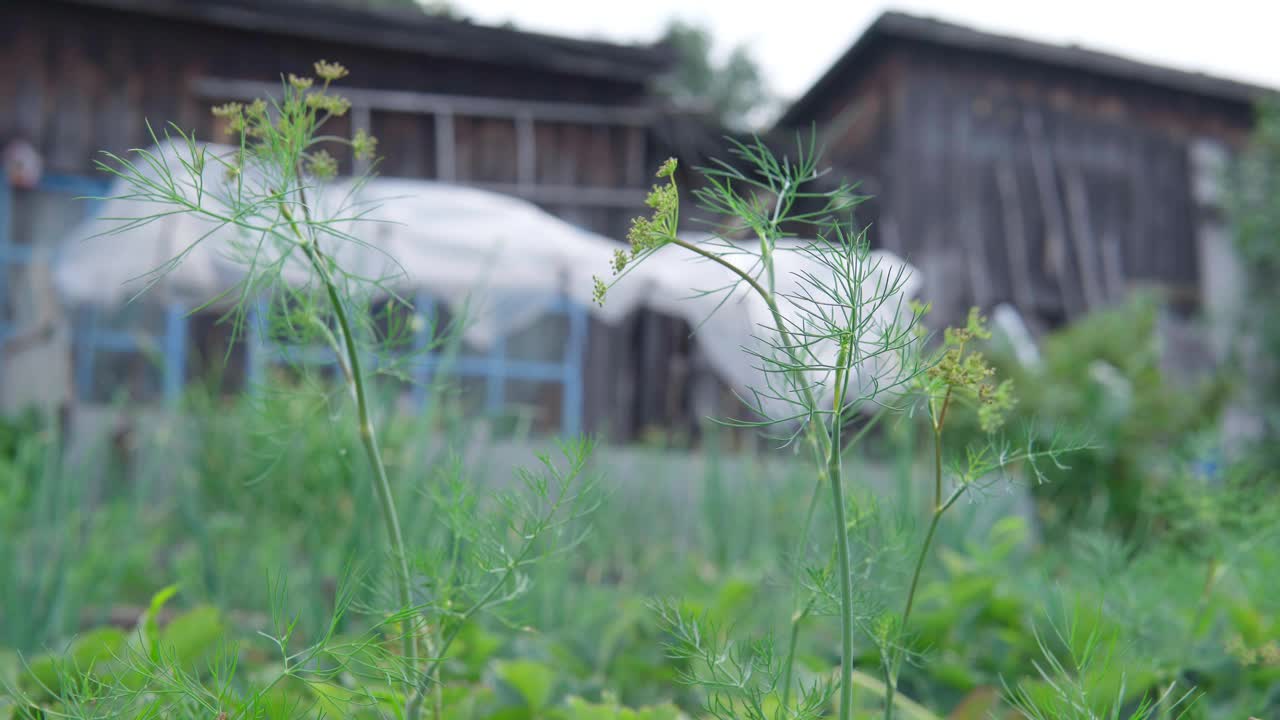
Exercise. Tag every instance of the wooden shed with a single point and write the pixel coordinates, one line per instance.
(1053, 178)
(571, 125)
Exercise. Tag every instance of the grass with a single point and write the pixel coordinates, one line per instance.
(980, 610)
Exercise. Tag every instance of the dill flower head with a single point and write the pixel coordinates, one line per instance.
(335, 105)
(329, 72)
(364, 145)
(962, 370)
(322, 165)
(233, 113)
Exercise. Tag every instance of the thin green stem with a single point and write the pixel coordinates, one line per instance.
(779, 324)
(846, 584)
(368, 435)
(822, 439)
(789, 663)
(835, 477)
(891, 671)
(801, 543)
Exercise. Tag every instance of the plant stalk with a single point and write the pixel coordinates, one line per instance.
(368, 437)
(891, 672)
(798, 618)
(846, 587)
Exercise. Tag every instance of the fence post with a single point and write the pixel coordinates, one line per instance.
(175, 351)
(255, 354)
(424, 307)
(575, 349)
(496, 379)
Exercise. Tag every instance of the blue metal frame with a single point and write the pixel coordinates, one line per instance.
(90, 337)
(495, 366)
(14, 254)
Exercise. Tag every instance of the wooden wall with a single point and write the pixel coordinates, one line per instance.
(1051, 189)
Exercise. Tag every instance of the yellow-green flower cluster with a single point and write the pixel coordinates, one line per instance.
(300, 111)
(329, 72)
(962, 370)
(649, 233)
(335, 105)
(244, 119)
(364, 145)
(322, 165)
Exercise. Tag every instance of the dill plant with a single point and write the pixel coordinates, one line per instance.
(262, 196)
(845, 343)
(280, 158)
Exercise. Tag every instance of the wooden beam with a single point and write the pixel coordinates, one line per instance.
(446, 159)
(1081, 232)
(431, 104)
(1015, 236)
(526, 151)
(570, 195)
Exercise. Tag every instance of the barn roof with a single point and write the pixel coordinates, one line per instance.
(897, 27)
(410, 31)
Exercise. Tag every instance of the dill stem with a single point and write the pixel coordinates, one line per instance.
(801, 616)
(846, 585)
(835, 473)
(382, 484)
(368, 436)
(891, 672)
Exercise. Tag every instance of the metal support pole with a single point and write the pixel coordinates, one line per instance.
(175, 352)
(574, 361)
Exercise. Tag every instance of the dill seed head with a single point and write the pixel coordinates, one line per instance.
(329, 72)
(599, 291)
(335, 105)
(364, 145)
(322, 165)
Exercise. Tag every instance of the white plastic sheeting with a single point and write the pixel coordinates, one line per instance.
(502, 258)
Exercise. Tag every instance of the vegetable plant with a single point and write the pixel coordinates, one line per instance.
(844, 342)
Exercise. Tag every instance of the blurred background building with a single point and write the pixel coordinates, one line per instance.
(1046, 178)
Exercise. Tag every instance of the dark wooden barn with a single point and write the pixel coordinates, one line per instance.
(1052, 178)
(571, 125)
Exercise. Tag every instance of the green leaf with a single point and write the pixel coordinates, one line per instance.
(149, 623)
(533, 680)
(192, 636)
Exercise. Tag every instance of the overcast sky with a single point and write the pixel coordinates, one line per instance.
(796, 40)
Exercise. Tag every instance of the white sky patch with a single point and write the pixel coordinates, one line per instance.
(796, 41)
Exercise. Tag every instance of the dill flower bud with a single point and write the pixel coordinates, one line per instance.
(599, 291)
(300, 83)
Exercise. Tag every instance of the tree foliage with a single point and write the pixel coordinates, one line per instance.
(733, 92)
(1254, 208)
